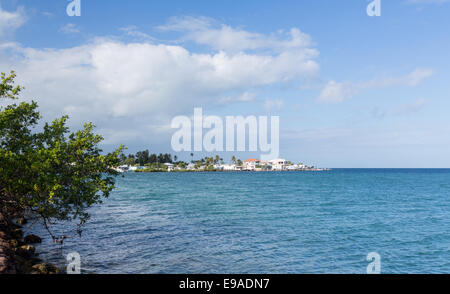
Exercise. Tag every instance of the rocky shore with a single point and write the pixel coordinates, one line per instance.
(17, 253)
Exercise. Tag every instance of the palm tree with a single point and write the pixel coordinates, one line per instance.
(192, 157)
(233, 159)
(175, 158)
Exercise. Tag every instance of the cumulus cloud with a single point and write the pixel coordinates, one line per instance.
(139, 85)
(10, 21)
(338, 92)
(207, 32)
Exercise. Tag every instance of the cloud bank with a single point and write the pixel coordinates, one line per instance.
(132, 88)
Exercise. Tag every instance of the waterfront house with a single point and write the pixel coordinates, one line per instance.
(292, 167)
(227, 167)
(265, 165)
(278, 164)
(238, 168)
(170, 166)
(250, 164)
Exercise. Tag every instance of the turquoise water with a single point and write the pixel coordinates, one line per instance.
(287, 222)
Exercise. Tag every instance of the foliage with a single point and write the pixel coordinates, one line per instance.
(143, 158)
(53, 173)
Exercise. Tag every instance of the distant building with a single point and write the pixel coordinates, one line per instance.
(170, 166)
(238, 168)
(278, 164)
(250, 164)
(292, 167)
(227, 167)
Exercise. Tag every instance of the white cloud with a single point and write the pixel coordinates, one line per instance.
(133, 32)
(338, 92)
(139, 86)
(206, 31)
(10, 21)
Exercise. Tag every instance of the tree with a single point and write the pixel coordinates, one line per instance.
(129, 161)
(142, 157)
(123, 158)
(153, 158)
(233, 159)
(54, 174)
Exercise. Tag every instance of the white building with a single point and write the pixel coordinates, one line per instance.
(227, 167)
(250, 164)
(170, 166)
(292, 167)
(278, 164)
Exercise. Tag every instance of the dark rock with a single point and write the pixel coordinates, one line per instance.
(15, 243)
(35, 260)
(44, 269)
(7, 265)
(32, 239)
(25, 251)
(17, 234)
(22, 221)
(23, 265)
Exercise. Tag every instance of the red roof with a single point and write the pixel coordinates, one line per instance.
(252, 160)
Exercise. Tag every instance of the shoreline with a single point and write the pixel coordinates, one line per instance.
(222, 171)
(17, 252)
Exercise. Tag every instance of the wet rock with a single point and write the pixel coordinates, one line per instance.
(32, 239)
(44, 269)
(25, 251)
(7, 265)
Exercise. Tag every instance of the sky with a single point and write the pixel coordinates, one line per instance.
(350, 90)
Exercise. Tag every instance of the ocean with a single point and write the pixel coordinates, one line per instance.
(267, 222)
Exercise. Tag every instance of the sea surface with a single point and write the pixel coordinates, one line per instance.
(268, 222)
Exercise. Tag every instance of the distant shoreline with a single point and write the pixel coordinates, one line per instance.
(228, 171)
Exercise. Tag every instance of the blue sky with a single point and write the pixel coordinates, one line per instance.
(351, 90)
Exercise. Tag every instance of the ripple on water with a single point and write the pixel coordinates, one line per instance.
(267, 222)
